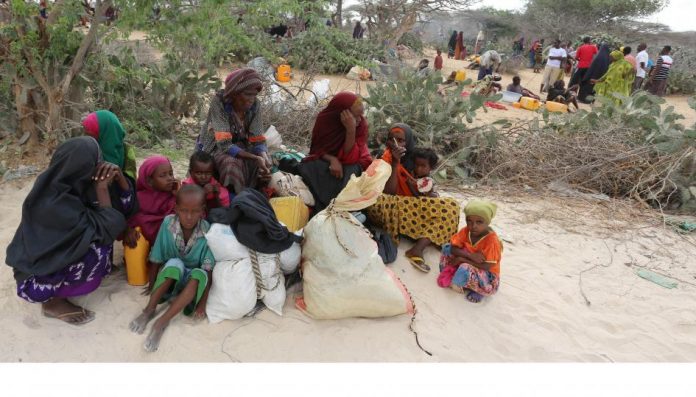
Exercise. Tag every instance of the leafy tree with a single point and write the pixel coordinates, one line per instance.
(567, 18)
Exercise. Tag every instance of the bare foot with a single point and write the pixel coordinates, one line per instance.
(140, 323)
(153, 339)
(474, 297)
(66, 311)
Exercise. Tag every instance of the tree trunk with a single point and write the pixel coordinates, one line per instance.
(53, 119)
(339, 14)
(26, 115)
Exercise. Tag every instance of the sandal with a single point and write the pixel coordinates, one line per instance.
(67, 317)
(418, 263)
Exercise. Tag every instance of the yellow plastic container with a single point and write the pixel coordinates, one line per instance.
(292, 211)
(136, 260)
(283, 73)
(460, 76)
(552, 106)
(530, 103)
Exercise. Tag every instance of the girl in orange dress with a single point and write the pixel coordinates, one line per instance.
(471, 263)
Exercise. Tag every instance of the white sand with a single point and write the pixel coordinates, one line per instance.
(539, 313)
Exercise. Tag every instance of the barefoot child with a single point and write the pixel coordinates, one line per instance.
(471, 263)
(188, 263)
(201, 170)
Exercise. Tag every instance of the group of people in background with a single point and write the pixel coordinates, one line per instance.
(82, 204)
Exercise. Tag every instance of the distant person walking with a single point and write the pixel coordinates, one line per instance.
(660, 72)
(458, 46)
(358, 31)
(642, 59)
(532, 53)
(553, 72)
(451, 45)
(584, 55)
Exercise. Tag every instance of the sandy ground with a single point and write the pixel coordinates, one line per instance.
(539, 314)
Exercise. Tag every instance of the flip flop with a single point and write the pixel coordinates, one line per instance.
(418, 263)
(65, 317)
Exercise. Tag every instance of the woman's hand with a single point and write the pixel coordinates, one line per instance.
(594, 81)
(106, 172)
(336, 168)
(264, 171)
(397, 151)
(130, 238)
(348, 120)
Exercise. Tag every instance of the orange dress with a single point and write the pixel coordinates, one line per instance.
(484, 282)
(402, 188)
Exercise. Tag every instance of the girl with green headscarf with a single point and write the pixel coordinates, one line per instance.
(106, 128)
(618, 78)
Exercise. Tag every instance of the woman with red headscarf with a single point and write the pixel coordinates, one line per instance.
(338, 149)
(233, 133)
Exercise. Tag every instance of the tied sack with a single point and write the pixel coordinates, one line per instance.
(343, 274)
(239, 282)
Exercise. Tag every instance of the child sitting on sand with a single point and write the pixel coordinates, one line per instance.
(559, 94)
(188, 263)
(201, 170)
(471, 263)
(424, 160)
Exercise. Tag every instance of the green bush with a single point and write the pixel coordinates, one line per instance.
(150, 100)
(413, 41)
(331, 50)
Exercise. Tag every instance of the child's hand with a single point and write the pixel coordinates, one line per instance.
(130, 238)
(209, 188)
(477, 257)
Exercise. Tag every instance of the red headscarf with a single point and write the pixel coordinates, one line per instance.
(154, 205)
(329, 133)
(240, 80)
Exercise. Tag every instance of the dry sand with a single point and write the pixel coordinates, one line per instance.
(539, 313)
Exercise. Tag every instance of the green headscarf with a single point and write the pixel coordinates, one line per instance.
(618, 79)
(111, 136)
(484, 209)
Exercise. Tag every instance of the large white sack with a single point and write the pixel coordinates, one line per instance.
(233, 291)
(272, 291)
(291, 257)
(343, 274)
(224, 245)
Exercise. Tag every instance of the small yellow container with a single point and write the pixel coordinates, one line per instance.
(530, 103)
(460, 76)
(552, 106)
(136, 260)
(292, 211)
(283, 73)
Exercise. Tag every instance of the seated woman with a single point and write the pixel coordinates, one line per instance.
(106, 128)
(64, 243)
(559, 94)
(233, 133)
(338, 149)
(402, 211)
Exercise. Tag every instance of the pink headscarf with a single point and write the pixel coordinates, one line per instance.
(154, 205)
(91, 124)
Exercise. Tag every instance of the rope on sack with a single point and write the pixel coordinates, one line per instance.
(413, 318)
(333, 214)
(254, 256)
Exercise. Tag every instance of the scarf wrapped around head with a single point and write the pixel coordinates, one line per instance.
(240, 80)
(482, 208)
(453, 39)
(407, 163)
(329, 134)
(154, 205)
(106, 128)
(59, 218)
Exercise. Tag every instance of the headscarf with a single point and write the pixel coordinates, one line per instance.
(241, 79)
(482, 208)
(618, 79)
(405, 170)
(154, 205)
(105, 127)
(599, 64)
(329, 134)
(60, 218)
(453, 40)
